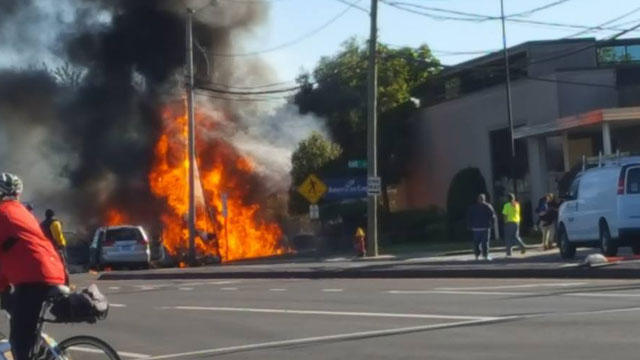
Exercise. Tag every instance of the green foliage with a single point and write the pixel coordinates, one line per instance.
(415, 226)
(337, 88)
(313, 155)
(464, 189)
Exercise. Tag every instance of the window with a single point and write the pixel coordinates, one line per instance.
(633, 181)
(618, 54)
(124, 234)
(633, 52)
(573, 190)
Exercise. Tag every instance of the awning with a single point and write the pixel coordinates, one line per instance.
(595, 117)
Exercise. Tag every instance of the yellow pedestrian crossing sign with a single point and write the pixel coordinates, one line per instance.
(313, 189)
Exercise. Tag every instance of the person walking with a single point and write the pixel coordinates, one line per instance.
(480, 218)
(511, 212)
(29, 267)
(548, 220)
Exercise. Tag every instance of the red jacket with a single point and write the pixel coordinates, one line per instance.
(26, 255)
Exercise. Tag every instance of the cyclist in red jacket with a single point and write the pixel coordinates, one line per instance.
(28, 263)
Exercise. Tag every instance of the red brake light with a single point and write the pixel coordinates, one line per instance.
(621, 181)
(142, 240)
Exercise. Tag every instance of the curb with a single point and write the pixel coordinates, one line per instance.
(571, 273)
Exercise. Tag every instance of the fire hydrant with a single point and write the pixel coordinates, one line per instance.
(359, 241)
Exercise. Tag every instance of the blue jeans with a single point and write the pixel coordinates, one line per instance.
(481, 240)
(512, 236)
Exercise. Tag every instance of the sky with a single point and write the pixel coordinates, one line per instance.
(291, 19)
(315, 28)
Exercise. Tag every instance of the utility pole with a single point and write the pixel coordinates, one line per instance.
(507, 71)
(191, 140)
(372, 133)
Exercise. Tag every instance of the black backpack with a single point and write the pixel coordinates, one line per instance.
(87, 305)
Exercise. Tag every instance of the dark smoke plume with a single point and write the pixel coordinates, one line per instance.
(84, 146)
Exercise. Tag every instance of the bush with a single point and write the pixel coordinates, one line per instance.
(414, 225)
(463, 191)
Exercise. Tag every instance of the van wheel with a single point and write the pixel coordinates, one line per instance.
(567, 249)
(607, 244)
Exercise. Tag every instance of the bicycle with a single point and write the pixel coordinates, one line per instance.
(76, 347)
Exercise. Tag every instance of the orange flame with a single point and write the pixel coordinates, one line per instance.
(116, 217)
(243, 233)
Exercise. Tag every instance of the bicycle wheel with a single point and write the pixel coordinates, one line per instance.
(86, 348)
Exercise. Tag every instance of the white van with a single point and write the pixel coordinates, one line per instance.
(602, 209)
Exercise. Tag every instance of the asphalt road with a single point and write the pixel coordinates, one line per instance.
(368, 319)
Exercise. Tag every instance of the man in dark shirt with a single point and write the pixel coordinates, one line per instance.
(480, 219)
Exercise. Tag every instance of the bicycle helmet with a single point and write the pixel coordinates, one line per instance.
(10, 185)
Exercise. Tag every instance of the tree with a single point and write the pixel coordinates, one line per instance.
(337, 91)
(312, 155)
(337, 88)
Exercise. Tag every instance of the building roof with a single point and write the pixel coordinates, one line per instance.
(498, 55)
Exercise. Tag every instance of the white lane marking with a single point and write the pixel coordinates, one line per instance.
(229, 288)
(514, 293)
(277, 290)
(117, 305)
(121, 353)
(320, 339)
(186, 288)
(198, 283)
(332, 290)
(444, 292)
(114, 287)
(596, 312)
(622, 295)
(523, 286)
(335, 313)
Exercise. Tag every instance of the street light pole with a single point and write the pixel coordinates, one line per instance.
(372, 132)
(191, 139)
(507, 68)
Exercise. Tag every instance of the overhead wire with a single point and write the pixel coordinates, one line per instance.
(599, 26)
(296, 40)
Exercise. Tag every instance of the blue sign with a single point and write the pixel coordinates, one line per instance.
(346, 188)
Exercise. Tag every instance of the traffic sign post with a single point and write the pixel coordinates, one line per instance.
(314, 212)
(374, 186)
(313, 189)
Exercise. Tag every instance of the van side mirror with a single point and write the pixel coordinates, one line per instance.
(567, 197)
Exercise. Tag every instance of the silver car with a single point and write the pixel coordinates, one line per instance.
(123, 245)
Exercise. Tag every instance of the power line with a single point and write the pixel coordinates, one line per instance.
(263, 92)
(606, 23)
(570, 82)
(296, 40)
(590, 46)
(538, 9)
(250, 87)
(243, 99)
(455, 15)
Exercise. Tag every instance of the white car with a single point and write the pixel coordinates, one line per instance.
(602, 209)
(124, 245)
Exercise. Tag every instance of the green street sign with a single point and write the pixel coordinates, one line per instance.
(357, 164)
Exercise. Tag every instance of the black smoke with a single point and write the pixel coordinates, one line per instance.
(94, 139)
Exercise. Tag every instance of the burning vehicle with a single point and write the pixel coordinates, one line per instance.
(104, 137)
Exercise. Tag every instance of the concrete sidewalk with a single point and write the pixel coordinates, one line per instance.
(534, 264)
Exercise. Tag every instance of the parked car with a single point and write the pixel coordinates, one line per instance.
(602, 209)
(124, 245)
